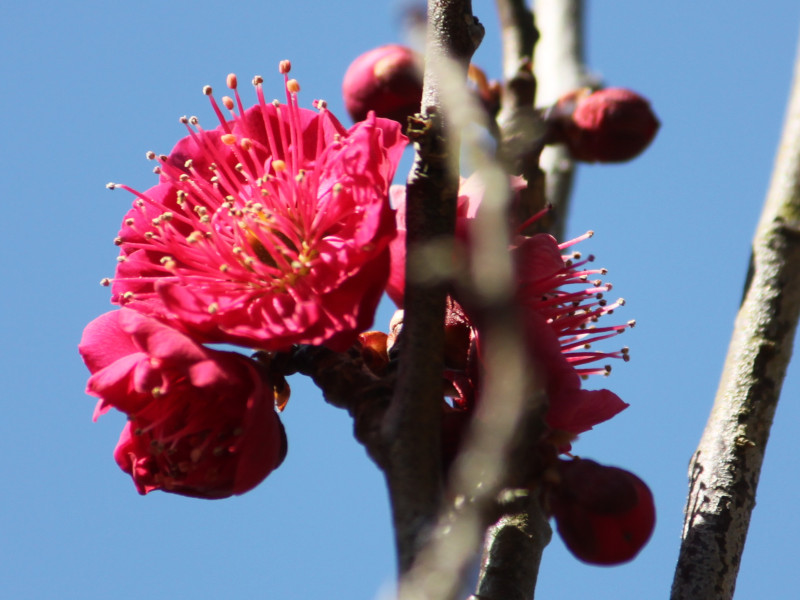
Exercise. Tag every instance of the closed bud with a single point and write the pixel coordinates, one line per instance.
(605, 515)
(610, 125)
(386, 80)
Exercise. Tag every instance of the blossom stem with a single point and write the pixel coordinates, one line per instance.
(724, 470)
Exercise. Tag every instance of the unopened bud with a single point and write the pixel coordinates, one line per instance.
(386, 80)
(610, 125)
(605, 515)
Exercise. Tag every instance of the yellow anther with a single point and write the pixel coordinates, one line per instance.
(228, 139)
(293, 86)
(207, 90)
(227, 101)
(213, 308)
(284, 67)
(279, 166)
(231, 81)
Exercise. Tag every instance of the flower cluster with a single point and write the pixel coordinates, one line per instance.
(275, 229)
(271, 229)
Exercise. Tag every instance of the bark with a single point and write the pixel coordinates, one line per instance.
(412, 425)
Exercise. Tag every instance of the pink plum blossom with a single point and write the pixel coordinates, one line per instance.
(561, 301)
(201, 422)
(268, 231)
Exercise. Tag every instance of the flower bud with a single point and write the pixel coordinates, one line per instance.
(610, 125)
(605, 515)
(386, 80)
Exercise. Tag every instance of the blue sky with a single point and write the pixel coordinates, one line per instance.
(88, 87)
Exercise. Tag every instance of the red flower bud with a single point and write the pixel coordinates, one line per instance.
(386, 80)
(610, 125)
(605, 515)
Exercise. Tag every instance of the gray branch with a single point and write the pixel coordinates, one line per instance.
(559, 68)
(724, 471)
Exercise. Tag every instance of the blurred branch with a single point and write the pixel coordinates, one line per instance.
(513, 546)
(559, 68)
(518, 35)
(413, 421)
(725, 469)
(508, 422)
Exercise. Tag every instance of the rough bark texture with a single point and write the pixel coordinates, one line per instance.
(724, 471)
(412, 425)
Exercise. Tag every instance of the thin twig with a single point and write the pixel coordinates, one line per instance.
(521, 128)
(413, 421)
(725, 469)
(559, 68)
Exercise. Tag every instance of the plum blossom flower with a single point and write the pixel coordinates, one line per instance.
(270, 230)
(562, 300)
(201, 422)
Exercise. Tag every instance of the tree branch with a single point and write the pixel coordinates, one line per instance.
(508, 422)
(413, 421)
(559, 68)
(725, 469)
(513, 551)
(522, 130)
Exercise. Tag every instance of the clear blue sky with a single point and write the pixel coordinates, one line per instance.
(88, 87)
